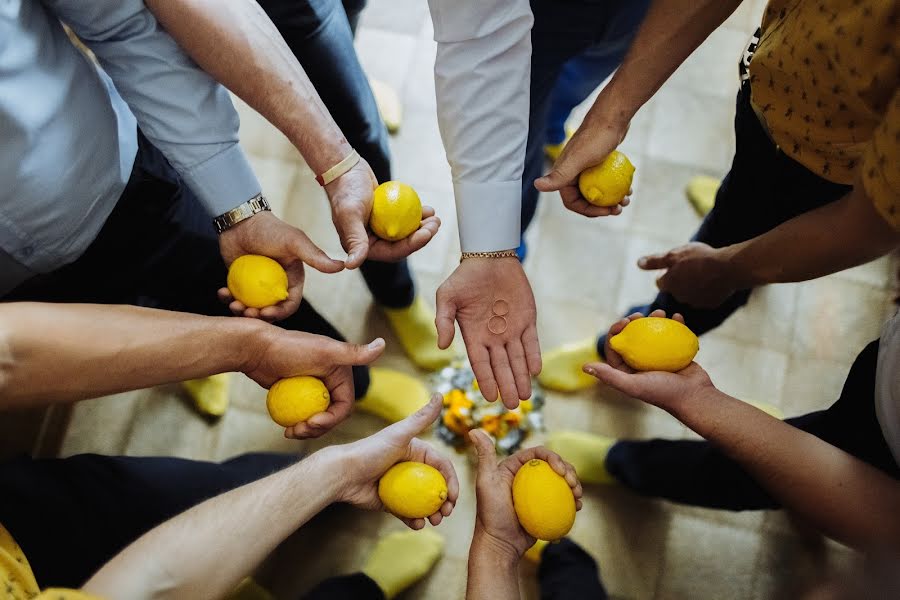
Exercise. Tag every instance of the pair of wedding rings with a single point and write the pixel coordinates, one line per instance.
(497, 324)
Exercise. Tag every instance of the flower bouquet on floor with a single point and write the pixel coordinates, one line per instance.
(466, 409)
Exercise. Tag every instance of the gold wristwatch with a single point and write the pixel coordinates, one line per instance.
(227, 220)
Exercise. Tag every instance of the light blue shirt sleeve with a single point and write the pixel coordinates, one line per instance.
(178, 106)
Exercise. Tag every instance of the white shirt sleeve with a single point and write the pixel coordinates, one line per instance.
(482, 78)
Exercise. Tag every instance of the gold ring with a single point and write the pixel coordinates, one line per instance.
(497, 324)
(500, 308)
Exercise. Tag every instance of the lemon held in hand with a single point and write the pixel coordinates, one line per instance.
(656, 344)
(608, 183)
(396, 211)
(412, 490)
(544, 502)
(295, 399)
(257, 281)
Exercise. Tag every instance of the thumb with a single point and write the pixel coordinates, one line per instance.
(614, 378)
(484, 449)
(445, 317)
(355, 240)
(303, 248)
(653, 262)
(417, 422)
(346, 354)
(554, 180)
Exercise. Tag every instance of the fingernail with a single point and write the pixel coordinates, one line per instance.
(376, 343)
(642, 261)
(350, 257)
(588, 370)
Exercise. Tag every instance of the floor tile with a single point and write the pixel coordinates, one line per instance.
(746, 372)
(249, 431)
(660, 207)
(399, 16)
(812, 384)
(836, 319)
(638, 286)
(707, 560)
(713, 67)
(704, 119)
(102, 425)
(385, 55)
(166, 424)
(767, 320)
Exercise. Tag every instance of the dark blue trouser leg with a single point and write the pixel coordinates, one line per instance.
(763, 189)
(72, 515)
(698, 473)
(357, 586)
(567, 572)
(563, 30)
(578, 78)
(319, 34)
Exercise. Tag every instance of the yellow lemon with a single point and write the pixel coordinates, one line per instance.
(656, 344)
(412, 490)
(257, 281)
(608, 183)
(396, 211)
(295, 399)
(543, 501)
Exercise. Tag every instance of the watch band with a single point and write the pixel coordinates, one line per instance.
(495, 254)
(339, 169)
(229, 219)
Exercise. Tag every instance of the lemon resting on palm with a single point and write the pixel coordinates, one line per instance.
(396, 211)
(656, 344)
(257, 281)
(543, 501)
(608, 183)
(412, 490)
(295, 399)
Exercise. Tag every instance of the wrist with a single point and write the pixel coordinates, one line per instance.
(251, 339)
(492, 549)
(328, 465)
(742, 272)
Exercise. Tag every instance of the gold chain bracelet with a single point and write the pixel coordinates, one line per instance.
(495, 254)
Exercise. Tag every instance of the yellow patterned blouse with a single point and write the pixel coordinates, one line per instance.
(825, 82)
(17, 581)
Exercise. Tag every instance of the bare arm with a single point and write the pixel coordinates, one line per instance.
(232, 533)
(238, 45)
(67, 352)
(493, 569)
(671, 31)
(844, 497)
(837, 236)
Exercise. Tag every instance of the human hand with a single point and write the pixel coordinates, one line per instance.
(589, 146)
(277, 353)
(496, 521)
(696, 274)
(503, 361)
(363, 463)
(350, 196)
(267, 235)
(659, 388)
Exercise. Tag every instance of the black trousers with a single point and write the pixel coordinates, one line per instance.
(763, 189)
(698, 473)
(70, 516)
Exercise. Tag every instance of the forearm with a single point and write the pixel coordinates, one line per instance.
(238, 45)
(670, 32)
(493, 570)
(96, 350)
(844, 497)
(229, 536)
(837, 236)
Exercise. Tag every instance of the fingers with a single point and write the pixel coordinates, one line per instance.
(425, 452)
(289, 305)
(303, 248)
(404, 431)
(653, 262)
(480, 359)
(519, 364)
(509, 394)
(561, 467)
(532, 350)
(553, 181)
(386, 251)
(445, 319)
(319, 424)
(574, 201)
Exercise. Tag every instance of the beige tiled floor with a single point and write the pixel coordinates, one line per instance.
(791, 346)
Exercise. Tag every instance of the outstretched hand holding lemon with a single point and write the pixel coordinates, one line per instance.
(359, 212)
(425, 480)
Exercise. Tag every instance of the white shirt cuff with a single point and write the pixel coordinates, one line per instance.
(489, 215)
(223, 182)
